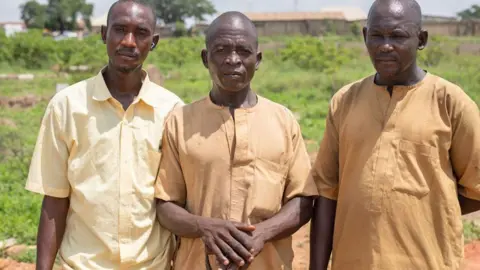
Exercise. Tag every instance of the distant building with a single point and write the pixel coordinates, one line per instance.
(436, 18)
(331, 20)
(11, 28)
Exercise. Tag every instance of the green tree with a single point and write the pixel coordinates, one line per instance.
(63, 14)
(57, 14)
(173, 11)
(470, 13)
(33, 14)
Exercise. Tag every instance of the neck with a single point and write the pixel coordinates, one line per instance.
(124, 82)
(244, 98)
(410, 76)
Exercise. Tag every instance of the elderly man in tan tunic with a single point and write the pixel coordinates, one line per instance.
(400, 159)
(233, 179)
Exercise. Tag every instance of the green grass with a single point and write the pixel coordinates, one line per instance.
(471, 231)
(305, 92)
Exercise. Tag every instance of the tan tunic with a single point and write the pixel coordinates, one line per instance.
(240, 170)
(394, 164)
(105, 160)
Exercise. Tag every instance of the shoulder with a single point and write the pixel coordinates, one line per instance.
(451, 94)
(75, 93)
(165, 96)
(182, 112)
(347, 93)
(277, 109)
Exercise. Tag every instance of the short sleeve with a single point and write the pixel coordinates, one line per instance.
(170, 184)
(465, 149)
(326, 166)
(298, 183)
(48, 168)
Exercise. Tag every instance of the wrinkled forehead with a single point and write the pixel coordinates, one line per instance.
(231, 35)
(131, 12)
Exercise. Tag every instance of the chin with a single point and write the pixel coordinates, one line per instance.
(387, 73)
(233, 89)
(126, 69)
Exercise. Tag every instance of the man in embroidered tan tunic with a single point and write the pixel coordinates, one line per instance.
(400, 159)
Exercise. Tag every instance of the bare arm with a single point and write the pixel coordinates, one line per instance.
(50, 230)
(293, 215)
(178, 220)
(468, 205)
(321, 232)
(223, 238)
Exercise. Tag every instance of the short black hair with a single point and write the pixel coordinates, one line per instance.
(146, 3)
(212, 28)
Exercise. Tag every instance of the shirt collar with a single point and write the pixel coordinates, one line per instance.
(148, 93)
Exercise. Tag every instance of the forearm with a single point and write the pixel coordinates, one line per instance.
(468, 205)
(178, 220)
(321, 233)
(50, 230)
(293, 215)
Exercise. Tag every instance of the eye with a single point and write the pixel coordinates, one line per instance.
(119, 29)
(244, 51)
(142, 32)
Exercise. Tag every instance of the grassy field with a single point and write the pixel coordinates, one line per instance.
(304, 88)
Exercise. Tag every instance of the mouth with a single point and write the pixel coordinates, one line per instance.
(129, 56)
(385, 60)
(234, 74)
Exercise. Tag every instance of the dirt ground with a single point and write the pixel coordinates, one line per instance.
(301, 249)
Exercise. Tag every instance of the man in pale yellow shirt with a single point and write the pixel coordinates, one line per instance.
(232, 160)
(399, 162)
(97, 156)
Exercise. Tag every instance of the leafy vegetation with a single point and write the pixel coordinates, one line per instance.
(58, 15)
(300, 73)
(61, 15)
(174, 11)
(470, 13)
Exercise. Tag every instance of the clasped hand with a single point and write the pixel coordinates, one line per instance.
(234, 244)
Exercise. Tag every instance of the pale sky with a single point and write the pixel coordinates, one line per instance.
(9, 9)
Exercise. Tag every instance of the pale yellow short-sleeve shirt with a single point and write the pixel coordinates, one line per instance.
(105, 160)
(241, 169)
(395, 164)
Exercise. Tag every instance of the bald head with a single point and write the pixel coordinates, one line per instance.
(144, 3)
(408, 10)
(230, 21)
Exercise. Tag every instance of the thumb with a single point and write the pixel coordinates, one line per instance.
(244, 227)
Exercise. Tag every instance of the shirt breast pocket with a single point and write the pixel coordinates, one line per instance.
(268, 186)
(417, 166)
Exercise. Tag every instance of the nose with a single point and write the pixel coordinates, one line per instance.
(129, 41)
(386, 46)
(233, 59)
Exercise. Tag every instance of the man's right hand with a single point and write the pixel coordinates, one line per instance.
(227, 240)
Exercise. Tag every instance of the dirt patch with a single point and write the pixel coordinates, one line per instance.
(7, 122)
(8, 264)
(472, 256)
(301, 248)
(20, 102)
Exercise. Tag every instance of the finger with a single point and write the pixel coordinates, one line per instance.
(244, 239)
(243, 227)
(234, 267)
(238, 247)
(214, 249)
(229, 252)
